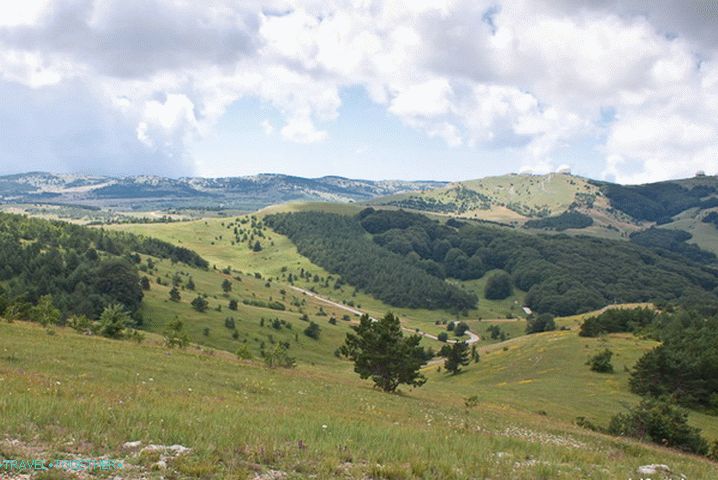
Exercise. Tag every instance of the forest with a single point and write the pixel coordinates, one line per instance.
(82, 270)
(657, 202)
(564, 221)
(395, 254)
(340, 245)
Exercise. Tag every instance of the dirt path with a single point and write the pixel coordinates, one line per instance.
(473, 338)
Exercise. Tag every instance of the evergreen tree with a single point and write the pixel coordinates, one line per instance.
(175, 295)
(175, 335)
(114, 321)
(381, 352)
(45, 312)
(200, 304)
(313, 331)
(457, 357)
(226, 286)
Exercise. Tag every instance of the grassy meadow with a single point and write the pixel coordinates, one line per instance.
(68, 394)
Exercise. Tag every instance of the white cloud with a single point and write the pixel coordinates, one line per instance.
(522, 78)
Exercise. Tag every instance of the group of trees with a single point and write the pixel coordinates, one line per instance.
(616, 320)
(658, 202)
(411, 254)
(84, 270)
(685, 365)
(561, 222)
(665, 240)
(339, 244)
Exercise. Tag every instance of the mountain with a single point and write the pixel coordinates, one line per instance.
(153, 192)
(573, 204)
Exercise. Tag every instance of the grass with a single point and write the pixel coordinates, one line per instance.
(69, 392)
(212, 238)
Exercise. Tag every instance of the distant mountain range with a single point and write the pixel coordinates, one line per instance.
(153, 192)
(672, 214)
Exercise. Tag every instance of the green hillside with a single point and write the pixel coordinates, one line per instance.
(88, 396)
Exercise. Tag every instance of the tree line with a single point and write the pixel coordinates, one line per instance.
(81, 270)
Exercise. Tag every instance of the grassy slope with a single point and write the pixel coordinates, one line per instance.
(278, 251)
(89, 395)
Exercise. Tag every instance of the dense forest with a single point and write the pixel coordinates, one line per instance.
(664, 240)
(340, 245)
(564, 221)
(398, 252)
(82, 270)
(657, 202)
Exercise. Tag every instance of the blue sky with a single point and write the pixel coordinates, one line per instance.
(365, 141)
(445, 89)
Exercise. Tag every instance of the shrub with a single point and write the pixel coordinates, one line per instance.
(200, 304)
(659, 421)
(540, 323)
(313, 331)
(443, 336)
(601, 362)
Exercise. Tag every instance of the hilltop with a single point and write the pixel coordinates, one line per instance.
(153, 192)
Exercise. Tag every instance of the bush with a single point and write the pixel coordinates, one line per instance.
(313, 331)
(659, 421)
(498, 286)
(540, 323)
(443, 336)
(200, 304)
(601, 362)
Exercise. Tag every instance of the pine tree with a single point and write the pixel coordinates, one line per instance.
(381, 352)
(457, 357)
(175, 295)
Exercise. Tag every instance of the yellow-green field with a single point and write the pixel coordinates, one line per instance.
(69, 395)
(213, 240)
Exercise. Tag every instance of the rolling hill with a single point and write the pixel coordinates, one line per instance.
(154, 193)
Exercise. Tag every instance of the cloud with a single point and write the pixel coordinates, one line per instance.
(521, 79)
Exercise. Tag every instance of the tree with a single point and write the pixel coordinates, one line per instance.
(498, 286)
(45, 312)
(175, 295)
(233, 304)
(175, 335)
(662, 422)
(145, 282)
(313, 331)
(257, 247)
(457, 357)
(443, 336)
(114, 321)
(118, 280)
(279, 357)
(601, 362)
(226, 286)
(460, 329)
(381, 352)
(540, 323)
(200, 304)
(190, 284)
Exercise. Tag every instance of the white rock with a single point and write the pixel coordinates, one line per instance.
(178, 449)
(653, 469)
(132, 445)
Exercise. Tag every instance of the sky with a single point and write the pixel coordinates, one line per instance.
(624, 91)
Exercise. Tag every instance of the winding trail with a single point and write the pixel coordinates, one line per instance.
(473, 338)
